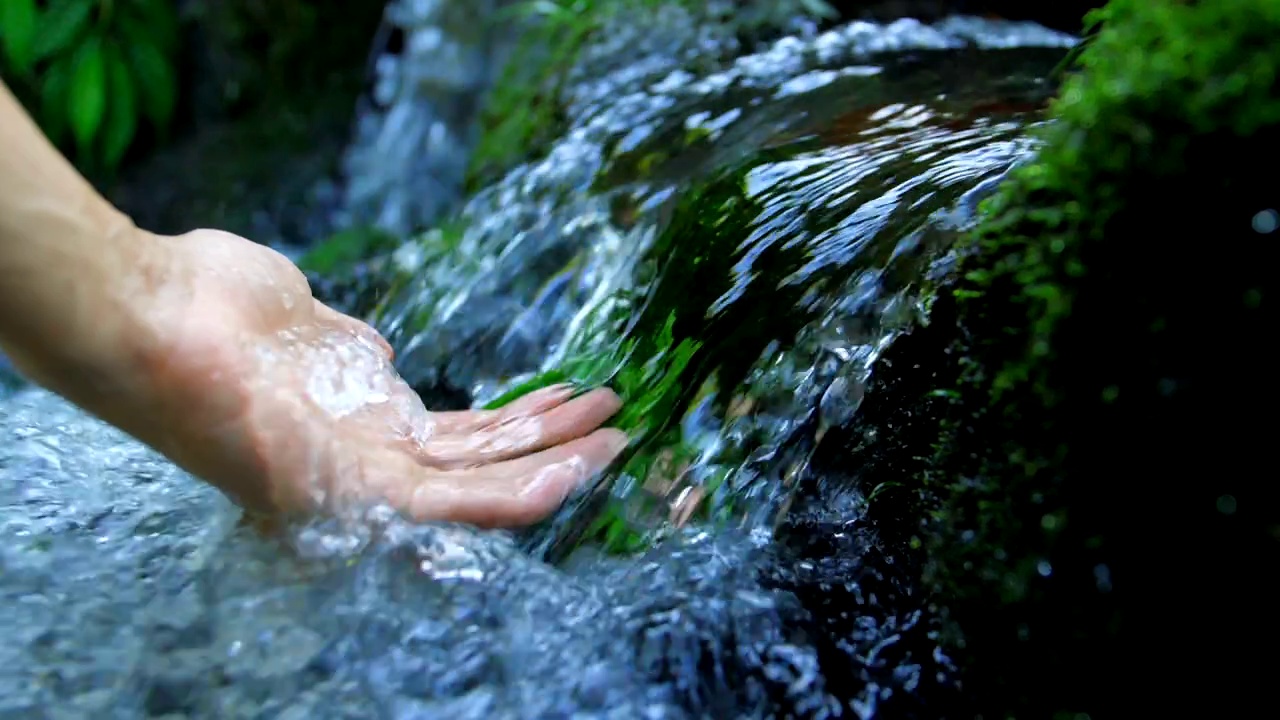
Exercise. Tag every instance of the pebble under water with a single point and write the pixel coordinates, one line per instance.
(132, 590)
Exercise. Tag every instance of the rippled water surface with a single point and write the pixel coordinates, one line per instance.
(844, 162)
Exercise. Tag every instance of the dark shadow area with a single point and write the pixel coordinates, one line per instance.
(268, 95)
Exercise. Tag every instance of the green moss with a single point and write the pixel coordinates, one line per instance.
(345, 248)
(1079, 383)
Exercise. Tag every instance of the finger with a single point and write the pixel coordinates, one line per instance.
(536, 402)
(513, 493)
(521, 435)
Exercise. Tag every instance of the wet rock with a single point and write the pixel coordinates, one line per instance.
(538, 242)
(1019, 447)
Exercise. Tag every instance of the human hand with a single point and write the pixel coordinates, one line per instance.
(289, 405)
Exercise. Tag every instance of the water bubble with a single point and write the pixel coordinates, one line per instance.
(1266, 221)
(1227, 504)
(1102, 578)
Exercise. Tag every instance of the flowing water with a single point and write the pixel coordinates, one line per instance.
(750, 230)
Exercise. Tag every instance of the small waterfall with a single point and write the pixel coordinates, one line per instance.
(849, 160)
(432, 63)
(737, 235)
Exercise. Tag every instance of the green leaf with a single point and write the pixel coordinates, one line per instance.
(17, 32)
(54, 87)
(157, 85)
(151, 20)
(87, 101)
(61, 26)
(122, 107)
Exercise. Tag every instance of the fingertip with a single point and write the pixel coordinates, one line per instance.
(549, 486)
(615, 439)
(607, 399)
(597, 450)
(585, 412)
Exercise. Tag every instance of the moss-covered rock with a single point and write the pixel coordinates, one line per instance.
(526, 107)
(1079, 458)
(730, 331)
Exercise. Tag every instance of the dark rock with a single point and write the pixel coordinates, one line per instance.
(1063, 447)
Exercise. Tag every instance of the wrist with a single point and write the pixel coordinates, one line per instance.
(83, 326)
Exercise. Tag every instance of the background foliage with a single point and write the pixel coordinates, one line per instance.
(93, 71)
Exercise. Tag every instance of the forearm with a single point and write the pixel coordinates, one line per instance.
(69, 260)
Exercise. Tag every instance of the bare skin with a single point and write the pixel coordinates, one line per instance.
(211, 349)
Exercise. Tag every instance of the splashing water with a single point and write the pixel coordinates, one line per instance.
(826, 193)
(784, 213)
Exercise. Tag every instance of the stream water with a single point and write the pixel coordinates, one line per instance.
(851, 157)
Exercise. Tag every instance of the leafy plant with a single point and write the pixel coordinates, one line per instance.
(96, 67)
